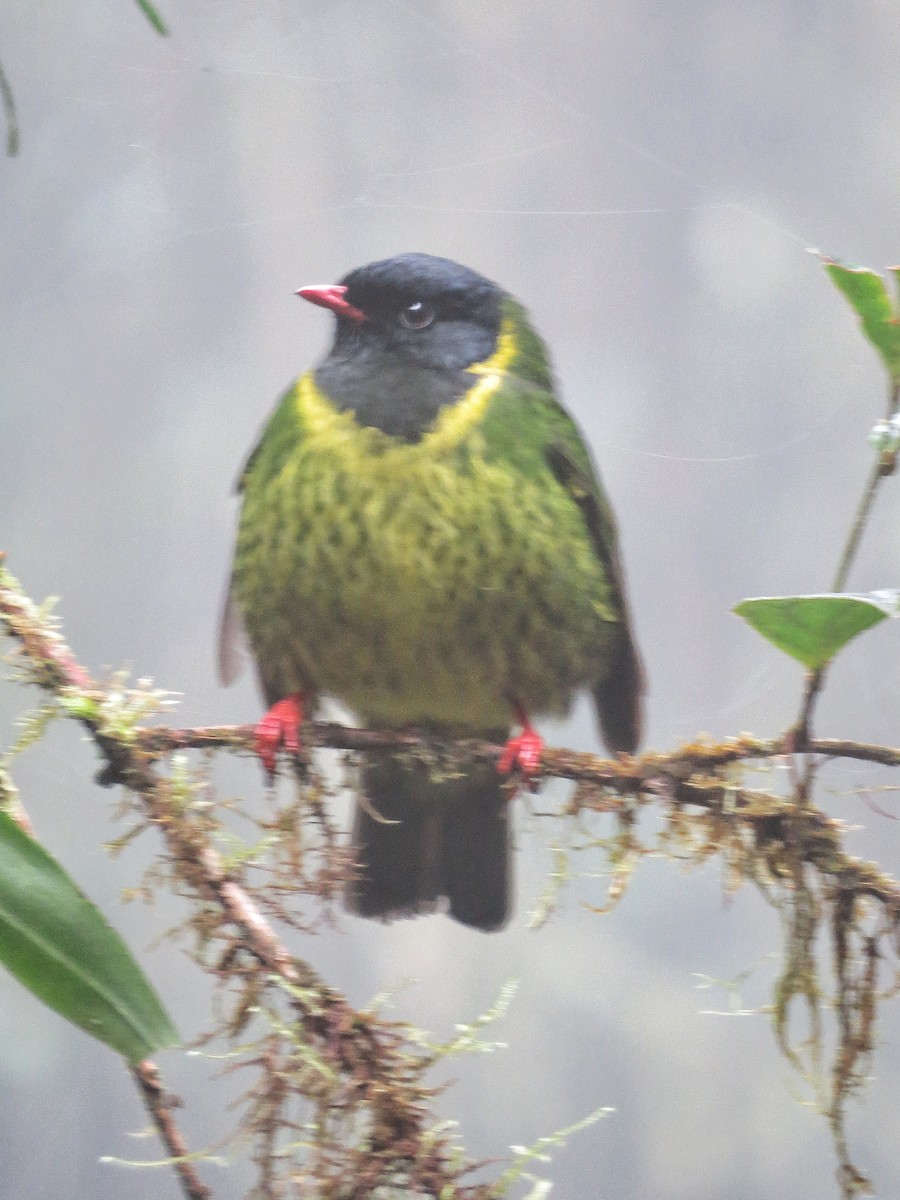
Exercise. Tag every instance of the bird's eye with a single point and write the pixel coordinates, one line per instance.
(416, 315)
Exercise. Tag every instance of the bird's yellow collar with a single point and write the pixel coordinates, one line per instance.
(319, 416)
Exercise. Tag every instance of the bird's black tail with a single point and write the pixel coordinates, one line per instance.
(620, 696)
(421, 838)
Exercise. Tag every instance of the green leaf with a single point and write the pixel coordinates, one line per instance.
(867, 293)
(153, 17)
(813, 628)
(59, 945)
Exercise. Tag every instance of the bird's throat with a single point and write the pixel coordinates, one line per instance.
(405, 401)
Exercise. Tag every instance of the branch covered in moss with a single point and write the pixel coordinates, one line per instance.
(159, 1105)
(351, 1067)
(363, 1065)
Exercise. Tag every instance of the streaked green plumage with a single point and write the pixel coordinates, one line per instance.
(440, 577)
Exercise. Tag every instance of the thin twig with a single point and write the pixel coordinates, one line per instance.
(8, 101)
(885, 465)
(159, 1105)
(11, 802)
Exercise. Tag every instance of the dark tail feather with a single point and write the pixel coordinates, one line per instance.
(448, 839)
(620, 697)
(476, 856)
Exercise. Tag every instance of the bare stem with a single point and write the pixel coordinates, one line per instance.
(8, 102)
(885, 465)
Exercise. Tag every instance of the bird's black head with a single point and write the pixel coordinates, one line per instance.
(407, 328)
(432, 310)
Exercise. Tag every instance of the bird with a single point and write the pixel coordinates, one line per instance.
(423, 536)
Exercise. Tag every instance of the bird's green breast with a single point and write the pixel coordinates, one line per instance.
(432, 582)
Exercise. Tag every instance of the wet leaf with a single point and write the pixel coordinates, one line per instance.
(60, 946)
(867, 292)
(813, 629)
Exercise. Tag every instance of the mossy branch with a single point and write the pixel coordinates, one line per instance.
(365, 1075)
(364, 1065)
(159, 1105)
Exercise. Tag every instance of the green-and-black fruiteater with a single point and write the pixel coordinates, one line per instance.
(423, 536)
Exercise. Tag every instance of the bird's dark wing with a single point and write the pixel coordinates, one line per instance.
(234, 646)
(619, 694)
(278, 438)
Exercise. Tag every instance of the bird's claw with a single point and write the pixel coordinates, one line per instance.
(523, 753)
(279, 727)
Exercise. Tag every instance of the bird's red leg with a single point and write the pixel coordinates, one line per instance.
(280, 727)
(524, 750)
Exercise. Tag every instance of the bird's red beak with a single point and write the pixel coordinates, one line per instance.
(331, 295)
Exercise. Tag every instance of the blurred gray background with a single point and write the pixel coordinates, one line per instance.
(646, 177)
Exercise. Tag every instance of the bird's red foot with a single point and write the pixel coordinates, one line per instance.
(279, 727)
(523, 751)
